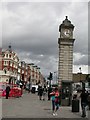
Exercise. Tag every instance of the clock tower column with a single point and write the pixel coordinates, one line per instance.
(65, 64)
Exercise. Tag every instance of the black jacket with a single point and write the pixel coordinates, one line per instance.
(7, 89)
(84, 97)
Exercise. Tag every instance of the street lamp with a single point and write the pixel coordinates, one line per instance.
(80, 73)
(50, 78)
(55, 77)
(83, 84)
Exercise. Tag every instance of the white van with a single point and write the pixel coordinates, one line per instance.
(36, 87)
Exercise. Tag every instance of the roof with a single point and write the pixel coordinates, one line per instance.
(66, 24)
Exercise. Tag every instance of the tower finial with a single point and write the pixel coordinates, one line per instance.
(9, 47)
(66, 17)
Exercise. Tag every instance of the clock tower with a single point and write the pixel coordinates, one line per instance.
(66, 42)
(65, 65)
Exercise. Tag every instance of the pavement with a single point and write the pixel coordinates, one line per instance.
(29, 106)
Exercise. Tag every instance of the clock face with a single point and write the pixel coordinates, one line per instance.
(67, 33)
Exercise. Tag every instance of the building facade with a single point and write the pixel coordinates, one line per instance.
(12, 68)
(79, 77)
(9, 67)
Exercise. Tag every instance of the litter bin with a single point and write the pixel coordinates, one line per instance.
(75, 105)
(33, 90)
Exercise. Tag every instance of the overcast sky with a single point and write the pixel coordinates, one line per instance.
(33, 31)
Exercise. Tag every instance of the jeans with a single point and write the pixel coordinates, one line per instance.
(53, 105)
(83, 105)
(57, 105)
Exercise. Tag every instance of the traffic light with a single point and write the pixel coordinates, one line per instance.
(51, 76)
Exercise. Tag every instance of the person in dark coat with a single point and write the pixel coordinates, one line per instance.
(49, 91)
(44, 92)
(84, 102)
(40, 92)
(89, 100)
(7, 91)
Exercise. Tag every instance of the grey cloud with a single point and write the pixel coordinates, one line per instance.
(82, 60)
(33, 28)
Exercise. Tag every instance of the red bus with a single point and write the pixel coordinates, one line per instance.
(14, 92)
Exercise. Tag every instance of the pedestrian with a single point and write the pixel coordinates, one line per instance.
(84, 102)
(49, 91)
(40, 92)
(21, 86)
(7, 91)
(89, 100)
(52, 94)
(44, 92)
(55, 100)
(28, 86)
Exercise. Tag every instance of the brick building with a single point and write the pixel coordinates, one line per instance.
(12, 67)
(78, 77)
(9, 65)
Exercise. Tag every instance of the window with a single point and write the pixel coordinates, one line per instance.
(10, 63)
(3, 55)
(6, 55)
(10, 56)
(7, 62)
(4, 62)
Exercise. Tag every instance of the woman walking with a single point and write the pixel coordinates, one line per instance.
(55, 101)
(52, 94)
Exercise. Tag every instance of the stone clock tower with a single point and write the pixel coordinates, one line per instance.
(65, 42)
(65, 64)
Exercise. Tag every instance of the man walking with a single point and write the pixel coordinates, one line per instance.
(84, 102)
(7, 91)
(40, 92)
(89, 100)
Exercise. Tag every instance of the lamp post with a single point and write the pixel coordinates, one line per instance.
(55, 76)
(50, 78)
(83, 84)
(80, 73)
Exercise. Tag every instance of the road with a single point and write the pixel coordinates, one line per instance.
(29, 106)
